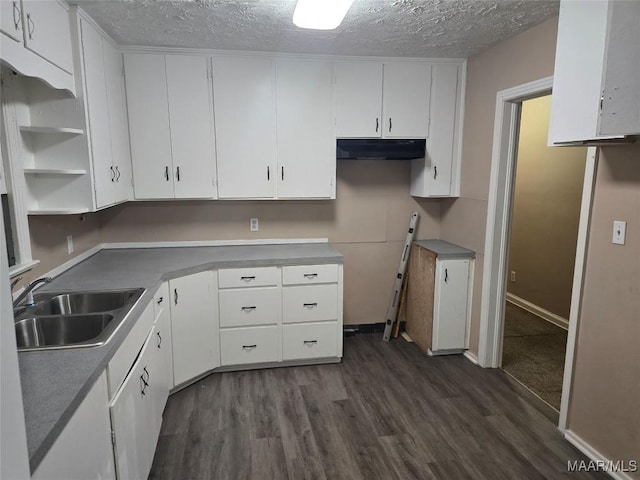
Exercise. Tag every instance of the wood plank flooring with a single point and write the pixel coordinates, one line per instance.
(386, 412)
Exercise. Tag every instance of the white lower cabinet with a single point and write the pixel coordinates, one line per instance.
(194, 325)
(134, 418)
(450, 304)
(83, 448)
(311, 340)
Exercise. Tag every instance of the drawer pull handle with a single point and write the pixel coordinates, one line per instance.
(248, 309)
(310, 305)
(310, 275)
(249, 347)
(310, 342)
(160, 300)
(248, 279)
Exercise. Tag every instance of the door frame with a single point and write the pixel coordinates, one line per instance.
(505, 139)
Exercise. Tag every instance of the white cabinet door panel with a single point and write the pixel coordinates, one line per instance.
(358, 99)
(241, 346)
(313, 340)
(150, 135)
(98, 115)
(245, 124)
(119, 125)
(11, 19)
(192, 145)
(306, 146)
(249, 306)
(309, 303)
(450, 304)
(407, 89)
(194, 320)
(48, 31)
(163, 321)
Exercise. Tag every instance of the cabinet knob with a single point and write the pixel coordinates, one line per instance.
(390, 124)
(435, 171)
(377, 124)
(160, 300)
(175, 296)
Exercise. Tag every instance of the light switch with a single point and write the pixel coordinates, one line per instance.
(619, 232)
(254, 226)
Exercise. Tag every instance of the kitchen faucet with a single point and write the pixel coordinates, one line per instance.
(29, 288)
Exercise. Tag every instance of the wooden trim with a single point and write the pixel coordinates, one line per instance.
(593, 454)
(471, 357)
(578, 280)
(550, 317)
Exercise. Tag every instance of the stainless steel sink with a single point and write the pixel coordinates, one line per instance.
(73, 319)
(85, 302)
(63, 330)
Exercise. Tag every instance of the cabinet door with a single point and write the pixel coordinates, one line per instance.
(11, 19)
(245, 123)
(306, 145)
(48, 32)
(118, 124)
(194, 325)
(407, 90)
(450, 304)
(191, 120)
(620, 113)
(97, 107)
(432, 176)
(150, 135)
(132, 418)
(86, 439)
(358, 99)
(163, 322)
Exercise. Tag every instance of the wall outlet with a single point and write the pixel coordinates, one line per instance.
(513, 275)
(69, 244)
(254, 225)
(619, 232)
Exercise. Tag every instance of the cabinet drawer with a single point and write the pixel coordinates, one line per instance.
(308, 274)
(249, 306)
(248, 277)
(240, 346)
(309, 303)
(313, 340)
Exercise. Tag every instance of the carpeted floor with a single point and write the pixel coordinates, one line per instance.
(533, 352)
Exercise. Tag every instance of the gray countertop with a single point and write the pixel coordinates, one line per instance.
(445, 249)
(55, 382)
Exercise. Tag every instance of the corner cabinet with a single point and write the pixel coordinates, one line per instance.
(171, 125)
(438, 296)
(596, 82)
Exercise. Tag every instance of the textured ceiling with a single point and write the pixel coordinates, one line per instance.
(434, 28)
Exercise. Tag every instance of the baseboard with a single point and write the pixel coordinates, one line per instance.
(599, 460)
(471, 357)
(539, 311)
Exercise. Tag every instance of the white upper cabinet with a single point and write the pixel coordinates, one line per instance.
(596, 83)
(191, 121)
(358, 99)
(245, 125)
(388, 100)
(106, 117)
(11, 19)
(170, 124)
(306, 140)
(46, 31)
(437, 174)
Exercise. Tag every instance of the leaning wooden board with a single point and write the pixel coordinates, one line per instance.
(420, 289)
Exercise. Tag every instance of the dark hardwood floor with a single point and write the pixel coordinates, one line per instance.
(386, 412)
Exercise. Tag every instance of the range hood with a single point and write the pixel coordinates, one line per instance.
(379, 149)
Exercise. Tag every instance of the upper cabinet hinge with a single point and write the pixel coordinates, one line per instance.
(113, 437)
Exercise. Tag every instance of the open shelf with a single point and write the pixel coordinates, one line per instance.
(52, 130)
(54, 171)
(60, 211)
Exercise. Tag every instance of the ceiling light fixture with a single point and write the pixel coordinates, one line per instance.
(320, 14)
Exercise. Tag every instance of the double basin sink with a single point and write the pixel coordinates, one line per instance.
(73, 319)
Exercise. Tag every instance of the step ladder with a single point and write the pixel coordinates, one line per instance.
(392, 313)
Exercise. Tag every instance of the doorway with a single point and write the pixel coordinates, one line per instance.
(545, 214)
(494, 276)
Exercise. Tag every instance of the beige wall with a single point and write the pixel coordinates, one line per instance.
(546, 212)
(526, 57)
(367, 223)
(605, 400)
